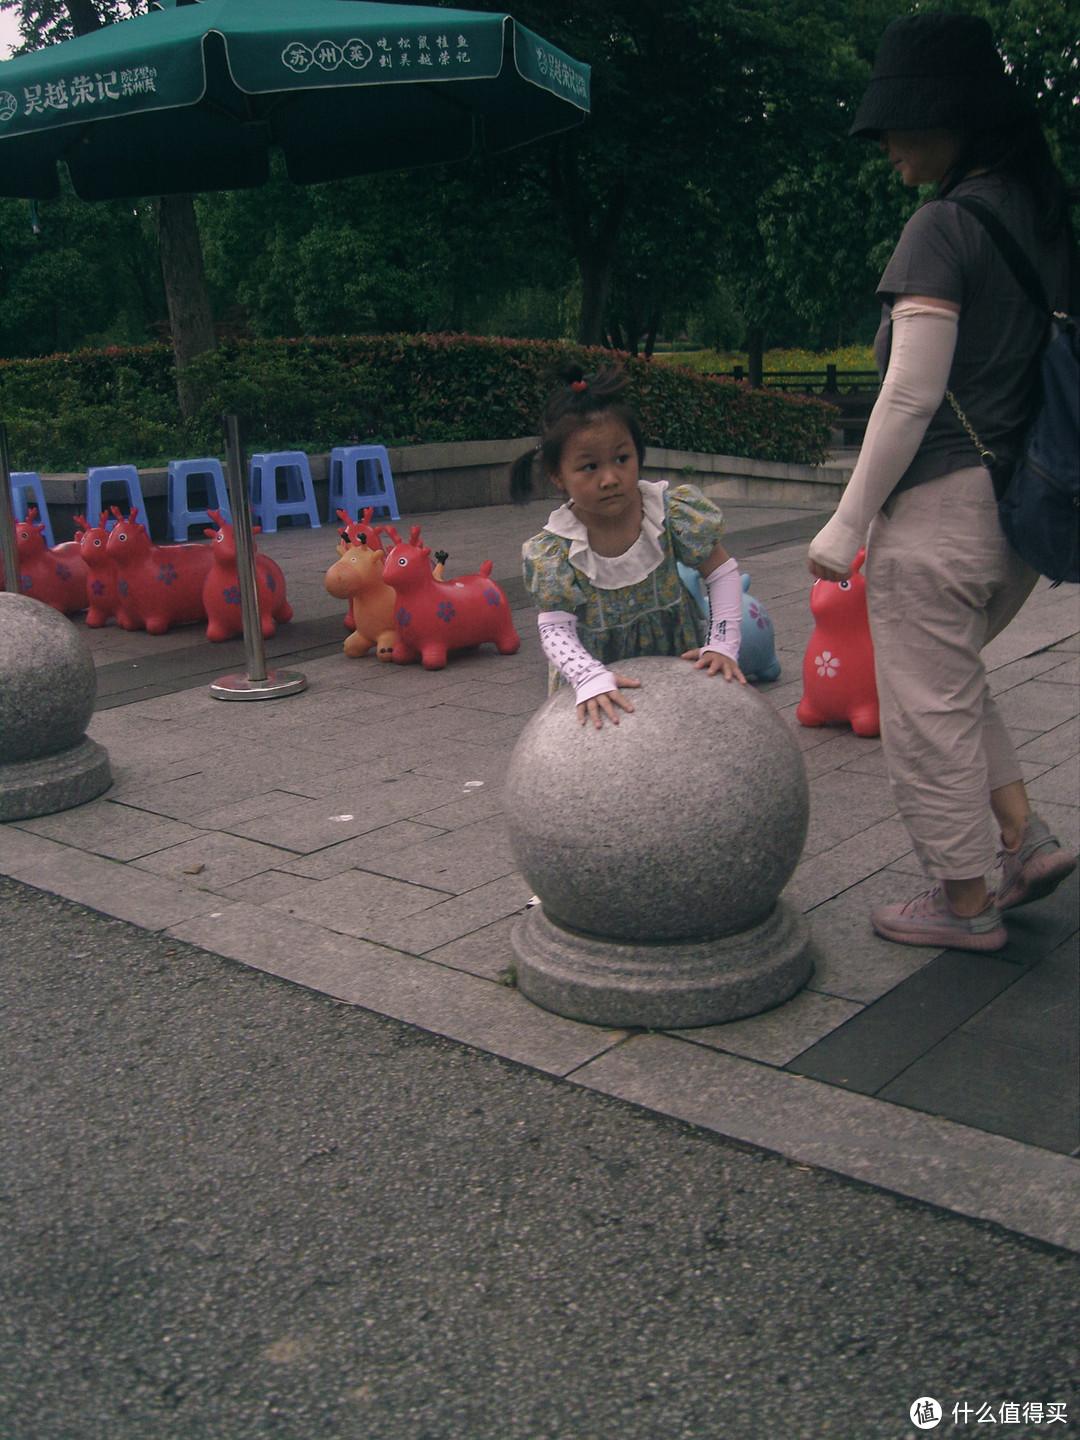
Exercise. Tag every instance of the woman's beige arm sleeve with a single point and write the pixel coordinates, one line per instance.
(923, 343)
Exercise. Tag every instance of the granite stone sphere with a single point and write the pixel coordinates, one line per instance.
(683, 822)
(47, 681)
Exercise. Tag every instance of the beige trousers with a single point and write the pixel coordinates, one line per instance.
(942, 581)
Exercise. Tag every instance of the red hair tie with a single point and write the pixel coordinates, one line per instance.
(578, 385)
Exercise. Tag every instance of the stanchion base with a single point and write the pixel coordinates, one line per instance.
(276, 684)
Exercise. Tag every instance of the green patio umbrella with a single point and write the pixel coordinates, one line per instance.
(195, 95)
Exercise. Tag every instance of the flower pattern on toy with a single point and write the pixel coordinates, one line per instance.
(159, 585)
(437, 616)
(56, 575)
(838, 667)
(221, 586)
(757, 639)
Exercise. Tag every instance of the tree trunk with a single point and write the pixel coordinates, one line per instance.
(650, 339)
(595, 283)
(755, 347)
(188, 298)
(594, 252)
(84, 16)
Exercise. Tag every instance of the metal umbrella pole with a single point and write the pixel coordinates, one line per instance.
(257, 683)
(9, 550)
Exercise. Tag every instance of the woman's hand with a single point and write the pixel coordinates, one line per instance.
(609, 703)
(823, 572)
(715, 663)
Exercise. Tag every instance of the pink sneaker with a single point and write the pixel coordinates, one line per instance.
(929, 919)
(1035, 868)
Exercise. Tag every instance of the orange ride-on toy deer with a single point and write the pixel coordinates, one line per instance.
(357, 576)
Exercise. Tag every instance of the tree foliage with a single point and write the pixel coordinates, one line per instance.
(714, 185)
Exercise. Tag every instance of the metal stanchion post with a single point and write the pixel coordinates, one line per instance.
(9, 551)
(258, 683)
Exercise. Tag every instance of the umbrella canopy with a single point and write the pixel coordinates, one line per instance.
(193, 97)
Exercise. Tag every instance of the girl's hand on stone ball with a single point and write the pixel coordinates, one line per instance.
(601, 705)
(714, 663)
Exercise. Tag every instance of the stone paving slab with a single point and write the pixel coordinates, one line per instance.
(351, 841)
(462, 1007)
(955, 1166)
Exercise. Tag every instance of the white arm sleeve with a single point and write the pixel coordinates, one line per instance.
(724, 589)
(923, 342)
(560, 643)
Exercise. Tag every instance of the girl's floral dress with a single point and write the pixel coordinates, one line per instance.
(630, 604)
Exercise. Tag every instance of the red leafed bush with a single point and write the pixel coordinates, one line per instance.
(95, 407)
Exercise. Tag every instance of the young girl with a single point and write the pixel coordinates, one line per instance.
(603, 571)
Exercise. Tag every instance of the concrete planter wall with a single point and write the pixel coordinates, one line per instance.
(464, 474)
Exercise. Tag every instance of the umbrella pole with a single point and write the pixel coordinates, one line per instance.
(258, 683)
(9, 550)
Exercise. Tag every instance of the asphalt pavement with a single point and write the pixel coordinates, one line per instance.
(233, 1207)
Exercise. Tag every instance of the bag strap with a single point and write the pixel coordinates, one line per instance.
(1014, 257)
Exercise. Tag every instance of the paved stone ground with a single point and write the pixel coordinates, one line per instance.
(350, 840)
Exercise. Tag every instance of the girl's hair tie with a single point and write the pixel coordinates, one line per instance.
(578, 385)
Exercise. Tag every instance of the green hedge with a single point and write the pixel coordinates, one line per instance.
(97, 407)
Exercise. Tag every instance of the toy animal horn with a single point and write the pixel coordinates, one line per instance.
(394, 536)
(414, 535)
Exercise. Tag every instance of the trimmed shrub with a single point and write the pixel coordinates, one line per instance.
(100, 407)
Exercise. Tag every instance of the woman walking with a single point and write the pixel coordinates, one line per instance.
(959, 345)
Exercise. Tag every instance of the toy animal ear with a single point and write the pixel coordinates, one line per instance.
(211, 533)
(857, 563)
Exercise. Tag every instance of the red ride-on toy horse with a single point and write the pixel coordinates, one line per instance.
(221, 588)
(838, 667)
(436, 616)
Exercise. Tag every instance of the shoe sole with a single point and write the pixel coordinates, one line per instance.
(1040, 877)
(948, 939)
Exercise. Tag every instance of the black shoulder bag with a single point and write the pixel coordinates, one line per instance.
(1039, 499)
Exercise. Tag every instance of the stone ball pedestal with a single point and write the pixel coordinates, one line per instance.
(47, 690)
(659, 848)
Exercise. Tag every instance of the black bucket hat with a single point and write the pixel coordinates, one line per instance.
(939, 72)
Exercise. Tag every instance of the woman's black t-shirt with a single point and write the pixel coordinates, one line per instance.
(946, 253)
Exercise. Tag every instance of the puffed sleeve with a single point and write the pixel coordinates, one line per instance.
(549, 577)
(695, 524)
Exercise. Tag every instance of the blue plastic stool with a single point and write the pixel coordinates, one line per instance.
(100, 475)
(26, 483)
(179, 497)
(348, 491)
(299, 496)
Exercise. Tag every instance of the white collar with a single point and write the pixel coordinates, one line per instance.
(615, 572)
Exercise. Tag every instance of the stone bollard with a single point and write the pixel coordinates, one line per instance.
(47, 690)
(659, 848)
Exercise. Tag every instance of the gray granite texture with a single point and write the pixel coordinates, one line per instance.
(47, 681)
(47, 689)
(683, 822)
(660, 987)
